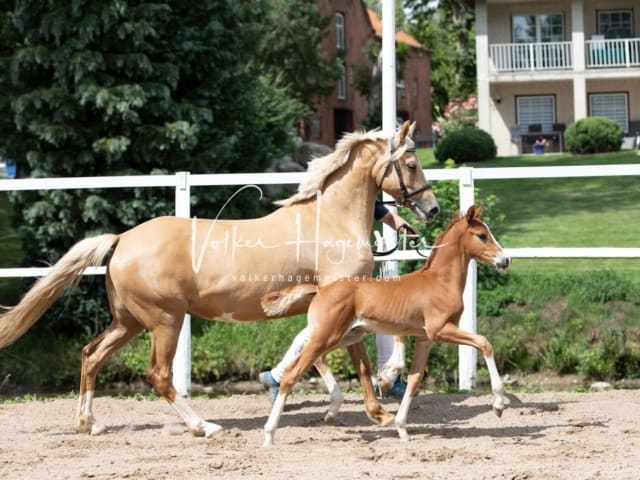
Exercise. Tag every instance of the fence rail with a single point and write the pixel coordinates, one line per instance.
(183, 181)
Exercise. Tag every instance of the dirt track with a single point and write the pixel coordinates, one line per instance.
(455, 436)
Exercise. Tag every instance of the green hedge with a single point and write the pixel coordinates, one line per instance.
(466, 145)
(593, 135)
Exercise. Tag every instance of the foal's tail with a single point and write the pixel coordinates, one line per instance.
(66, 272)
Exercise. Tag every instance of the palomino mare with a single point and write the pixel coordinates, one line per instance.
(426, 303)
(167, 267)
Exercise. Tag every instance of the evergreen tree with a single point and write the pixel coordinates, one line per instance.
(104, 87)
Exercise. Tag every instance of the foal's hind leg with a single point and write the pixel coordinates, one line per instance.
(164, 340)
(372, 406)
(122, 330)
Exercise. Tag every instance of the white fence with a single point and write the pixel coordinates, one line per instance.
(183, 181)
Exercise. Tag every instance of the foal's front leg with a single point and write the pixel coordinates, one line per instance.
(451, 333)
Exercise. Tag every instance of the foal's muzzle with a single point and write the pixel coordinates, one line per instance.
(502, 262)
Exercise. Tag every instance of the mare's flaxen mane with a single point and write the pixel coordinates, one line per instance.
(320, 168)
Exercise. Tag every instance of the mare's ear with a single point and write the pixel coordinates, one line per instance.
(402, 133)
(412, 128)
(479, 211)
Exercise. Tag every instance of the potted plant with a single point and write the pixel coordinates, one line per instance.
(539, 145)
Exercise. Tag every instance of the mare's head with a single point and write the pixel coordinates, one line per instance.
(402, 177)
(479, 243)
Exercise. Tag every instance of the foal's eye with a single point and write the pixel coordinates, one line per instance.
(411, 166)
(482, 236)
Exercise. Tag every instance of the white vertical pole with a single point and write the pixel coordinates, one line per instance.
(467, 356)
(389, 105)
(182, 358)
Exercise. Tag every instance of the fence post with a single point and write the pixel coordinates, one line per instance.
(182, 358)
(467, 356)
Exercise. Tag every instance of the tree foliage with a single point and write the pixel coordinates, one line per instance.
(291, 50)
(103, 87)
(447, 28)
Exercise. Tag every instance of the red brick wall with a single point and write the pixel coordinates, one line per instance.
(412, 102)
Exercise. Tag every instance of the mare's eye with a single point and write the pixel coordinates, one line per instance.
(411, 166)
(482, 236)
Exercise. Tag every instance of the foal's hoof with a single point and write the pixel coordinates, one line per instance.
(98, 429)
(212, 429)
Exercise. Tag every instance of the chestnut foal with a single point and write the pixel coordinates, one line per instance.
(426, 303)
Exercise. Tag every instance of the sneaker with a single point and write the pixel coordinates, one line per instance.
(270, 385)
(398, 389)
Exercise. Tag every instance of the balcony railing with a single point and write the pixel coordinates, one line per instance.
(519, 57)
(523, 57)
(623, 52)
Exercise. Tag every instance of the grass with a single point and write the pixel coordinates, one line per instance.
(571, 212)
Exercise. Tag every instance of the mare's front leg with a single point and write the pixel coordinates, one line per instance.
(416, 373)
(164, 340)
(372, 406)
(335, 395)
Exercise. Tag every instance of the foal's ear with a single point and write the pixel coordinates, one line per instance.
(473, 212)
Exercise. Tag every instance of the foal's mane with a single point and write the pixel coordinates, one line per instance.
(437, 243)
(320, 168)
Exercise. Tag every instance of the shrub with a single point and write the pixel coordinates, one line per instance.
(466, 145)
(458, 114)
(593, 135)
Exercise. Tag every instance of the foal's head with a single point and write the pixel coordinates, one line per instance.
(479, 243)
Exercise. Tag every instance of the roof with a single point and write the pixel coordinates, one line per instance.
(401, 36)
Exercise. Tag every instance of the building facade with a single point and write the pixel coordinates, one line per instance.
(352, 28)
(543, 65)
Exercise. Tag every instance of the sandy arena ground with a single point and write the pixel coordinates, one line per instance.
(547, 436)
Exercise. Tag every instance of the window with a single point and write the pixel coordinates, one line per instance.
(615, 23)
(537, 28)
(610, 105)
(340, 43)
(342, 84)
(545, 30)
(536, 110)
(415, 87)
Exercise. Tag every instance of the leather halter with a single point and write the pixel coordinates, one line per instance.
(406, 194)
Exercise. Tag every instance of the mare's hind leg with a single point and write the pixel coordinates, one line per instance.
(372, 406)
(335, 395)
(164, 340)
(122, 330)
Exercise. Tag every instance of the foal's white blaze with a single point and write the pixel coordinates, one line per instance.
(501, 258)
(195, 424)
